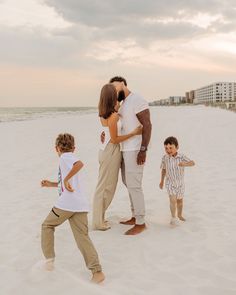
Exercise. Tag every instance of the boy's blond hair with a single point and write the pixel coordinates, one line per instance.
(65, 142)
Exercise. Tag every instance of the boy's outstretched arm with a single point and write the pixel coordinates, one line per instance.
(187, 164)
(163, 174)
(75, 169)
(48, 183)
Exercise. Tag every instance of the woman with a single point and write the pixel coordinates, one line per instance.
(109, 155)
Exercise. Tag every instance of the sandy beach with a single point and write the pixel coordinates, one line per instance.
(196, 258)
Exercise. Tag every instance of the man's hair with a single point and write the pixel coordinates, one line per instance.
(171, 140)
(107, 102)
(118, 79)
(65, 142)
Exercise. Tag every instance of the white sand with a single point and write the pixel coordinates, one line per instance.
(199, 257)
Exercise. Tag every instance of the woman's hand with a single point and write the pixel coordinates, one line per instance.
(161, 185)
(138, 130)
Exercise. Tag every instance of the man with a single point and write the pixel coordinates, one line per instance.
(133, 112)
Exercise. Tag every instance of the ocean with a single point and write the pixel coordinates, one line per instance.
(23, 114)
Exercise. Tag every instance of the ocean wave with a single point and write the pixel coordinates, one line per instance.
(24, 114)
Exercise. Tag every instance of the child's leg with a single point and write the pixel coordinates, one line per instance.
(173, 205)
(79, 225)
(55, 218)
(180, 208)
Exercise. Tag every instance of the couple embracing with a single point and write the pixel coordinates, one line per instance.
(125, 119)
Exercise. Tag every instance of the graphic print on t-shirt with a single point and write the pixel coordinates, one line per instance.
(60, 187)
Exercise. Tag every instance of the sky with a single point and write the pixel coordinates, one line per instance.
(61, 52)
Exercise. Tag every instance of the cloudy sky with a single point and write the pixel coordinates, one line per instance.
(60, 52)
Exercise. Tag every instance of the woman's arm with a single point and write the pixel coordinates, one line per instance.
(115, 138)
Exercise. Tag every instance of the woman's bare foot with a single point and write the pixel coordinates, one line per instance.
(131, 221)
(181, 218)
(98, 277)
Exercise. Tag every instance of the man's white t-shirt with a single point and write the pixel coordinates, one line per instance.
(75, 201)
(132, 105)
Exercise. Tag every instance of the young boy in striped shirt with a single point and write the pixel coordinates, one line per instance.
(172, 166)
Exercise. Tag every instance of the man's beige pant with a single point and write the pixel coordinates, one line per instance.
(110, 163)
(132, 175)
(79, 225)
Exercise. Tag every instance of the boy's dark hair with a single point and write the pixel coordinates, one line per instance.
(118, 79)
(171, 140)
(65, 142)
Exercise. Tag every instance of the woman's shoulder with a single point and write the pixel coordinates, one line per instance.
(114, 117)
(104, 122)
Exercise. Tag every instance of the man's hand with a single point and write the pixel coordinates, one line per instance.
(141, 158)
(68, 186)
(102, 137)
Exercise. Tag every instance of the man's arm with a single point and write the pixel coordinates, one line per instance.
(144, 119)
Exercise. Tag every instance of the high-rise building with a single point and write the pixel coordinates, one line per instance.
(189, 96)
(177, 99)
(216, 92)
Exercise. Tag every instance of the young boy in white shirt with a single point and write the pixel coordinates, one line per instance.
(72, 205)
(172, 166)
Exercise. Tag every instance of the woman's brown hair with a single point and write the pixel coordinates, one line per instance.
(108, 100)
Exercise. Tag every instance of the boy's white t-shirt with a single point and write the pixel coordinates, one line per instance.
(75, 201)
(132, 105)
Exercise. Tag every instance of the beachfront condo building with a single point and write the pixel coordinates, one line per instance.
(190, 96)
(216, 92)
(176, 99)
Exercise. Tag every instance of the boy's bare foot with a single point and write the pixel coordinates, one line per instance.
(174, 221)
(137, 229)
(49, 264)
(98, 277)
(131, 221)
(181, 218)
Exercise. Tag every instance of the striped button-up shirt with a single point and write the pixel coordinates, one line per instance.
(174, 174)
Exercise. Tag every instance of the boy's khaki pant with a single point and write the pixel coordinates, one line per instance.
(79, 225)
(110, 163)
